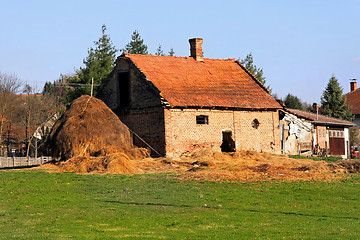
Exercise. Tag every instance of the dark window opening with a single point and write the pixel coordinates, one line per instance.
(124, 89)
(228, 144)
(255, 123)
(202, 119)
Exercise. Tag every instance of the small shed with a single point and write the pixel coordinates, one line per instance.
(310, 133)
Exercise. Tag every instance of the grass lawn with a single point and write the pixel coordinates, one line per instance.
(40, 205)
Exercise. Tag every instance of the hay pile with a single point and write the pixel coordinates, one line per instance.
(90, 137)
(247, 166)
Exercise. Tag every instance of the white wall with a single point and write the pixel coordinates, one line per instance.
(346, 136)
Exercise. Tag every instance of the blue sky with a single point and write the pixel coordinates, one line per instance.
(299, 44)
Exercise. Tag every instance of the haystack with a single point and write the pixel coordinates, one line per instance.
(87, 130)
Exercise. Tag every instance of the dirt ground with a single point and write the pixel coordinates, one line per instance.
(246, 166)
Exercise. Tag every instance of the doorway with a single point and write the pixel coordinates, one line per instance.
(124, 89)
(228, 144)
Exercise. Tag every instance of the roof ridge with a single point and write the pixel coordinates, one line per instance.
(186, 57)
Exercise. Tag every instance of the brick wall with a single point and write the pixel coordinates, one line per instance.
(149, 125)
(183, 134)
(265, 138)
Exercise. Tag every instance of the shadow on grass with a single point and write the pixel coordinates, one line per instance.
(149, 204)
(301, 214)
(243, 210)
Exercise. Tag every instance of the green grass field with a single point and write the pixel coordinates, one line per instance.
(40, 205)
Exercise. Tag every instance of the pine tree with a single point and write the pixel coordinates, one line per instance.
(293, 102)
(333, 104)
(171, 52)
(98, 65)
(159, 51)
(100, 60)
(248, 63)
(136, 45)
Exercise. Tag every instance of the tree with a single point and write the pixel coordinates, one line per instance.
(136, 45)
(98, 65)
(293, 102)
(9, 86)
(333, 104)
(35, 110)
(63, 90)
(159, 51)
(248, 63)
(354, 136)
(171, 52)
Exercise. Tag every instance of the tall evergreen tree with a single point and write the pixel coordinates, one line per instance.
(98, 65)
(333, 104)
(293, 102)
(136, 45)
(248, 63)
(100, 60)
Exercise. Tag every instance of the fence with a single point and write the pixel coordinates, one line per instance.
(10, 162)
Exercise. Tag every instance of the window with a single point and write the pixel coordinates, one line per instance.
(202, 119)
(255, 123)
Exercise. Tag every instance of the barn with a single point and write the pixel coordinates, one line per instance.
(175, 105)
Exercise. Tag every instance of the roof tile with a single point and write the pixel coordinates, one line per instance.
(353, 100)
(185, 82)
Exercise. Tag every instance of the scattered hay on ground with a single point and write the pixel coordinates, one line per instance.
(209, 165)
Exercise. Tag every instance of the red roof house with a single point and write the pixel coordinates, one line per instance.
(175, 105)
(353, 100)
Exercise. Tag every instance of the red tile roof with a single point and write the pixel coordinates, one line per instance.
(318, 119)
(185, 82)
(353, 100)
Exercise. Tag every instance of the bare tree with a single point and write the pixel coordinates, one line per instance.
(9, 86)
(37, 108)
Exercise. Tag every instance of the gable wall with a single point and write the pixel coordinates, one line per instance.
(182, 134)
(142, 93)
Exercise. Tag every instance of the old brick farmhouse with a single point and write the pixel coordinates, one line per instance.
(178, 104)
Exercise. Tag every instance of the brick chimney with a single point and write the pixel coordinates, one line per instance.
(352, 86)
(196, 49)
